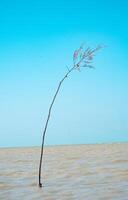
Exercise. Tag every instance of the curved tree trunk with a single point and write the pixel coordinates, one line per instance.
(47, 121)
(85, 57)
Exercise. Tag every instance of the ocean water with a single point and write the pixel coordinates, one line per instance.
(72, 172)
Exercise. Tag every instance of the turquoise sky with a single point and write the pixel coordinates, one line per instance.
(37, 40)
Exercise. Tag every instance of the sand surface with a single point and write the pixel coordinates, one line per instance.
(76, 172)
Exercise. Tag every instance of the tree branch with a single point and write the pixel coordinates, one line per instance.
(81, 58)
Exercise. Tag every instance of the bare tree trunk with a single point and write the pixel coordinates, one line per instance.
(81, 59)
(47, 121)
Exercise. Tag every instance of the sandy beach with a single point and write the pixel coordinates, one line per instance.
(72, 172)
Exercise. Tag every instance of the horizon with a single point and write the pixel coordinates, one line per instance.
(57, 145)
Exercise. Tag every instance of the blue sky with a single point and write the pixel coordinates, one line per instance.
(37, 40)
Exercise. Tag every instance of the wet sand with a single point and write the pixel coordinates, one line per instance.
(75, 172)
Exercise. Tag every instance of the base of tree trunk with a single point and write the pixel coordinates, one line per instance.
(40, 185)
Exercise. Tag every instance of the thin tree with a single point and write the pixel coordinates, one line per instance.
(81, 58)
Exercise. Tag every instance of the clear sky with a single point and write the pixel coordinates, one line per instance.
(37, 40)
